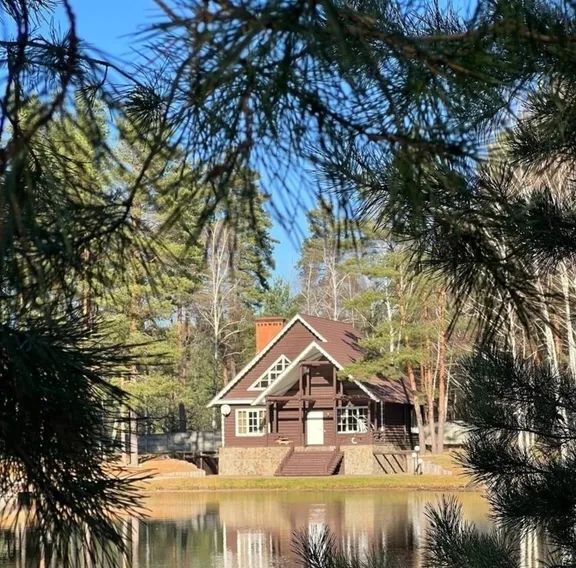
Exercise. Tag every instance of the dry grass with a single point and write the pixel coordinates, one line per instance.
(335, 483)
(166, 465)
(172, 475)
(447, 460)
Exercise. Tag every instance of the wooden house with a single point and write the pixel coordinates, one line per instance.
(288, 413)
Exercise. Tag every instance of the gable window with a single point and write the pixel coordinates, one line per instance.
(271, 374)
(352, 419)
(250, 422)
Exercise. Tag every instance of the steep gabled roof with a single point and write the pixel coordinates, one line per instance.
(338, 342)
(341, 339)
(285, 379)
(263, 353)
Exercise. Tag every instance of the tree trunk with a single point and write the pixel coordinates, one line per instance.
(417, 407)
(87, 300)
(133, 439)
(130, 456)
(182, 422)
(441, 372)
(183, 326)
(568, 319)
(426, 374)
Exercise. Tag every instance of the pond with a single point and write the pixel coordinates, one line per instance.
(254, 529)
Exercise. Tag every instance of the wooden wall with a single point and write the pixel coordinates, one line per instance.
(320, 386)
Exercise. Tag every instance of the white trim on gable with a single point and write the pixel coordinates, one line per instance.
(258, 356)
(253, 386)
(313, 346)
(310, 328)
(362, 387)
(329, 357)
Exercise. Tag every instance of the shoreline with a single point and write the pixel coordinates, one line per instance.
(393, 482)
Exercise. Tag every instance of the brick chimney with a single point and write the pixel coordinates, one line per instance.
(267, 328)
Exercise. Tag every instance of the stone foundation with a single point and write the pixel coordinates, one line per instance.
(360, 460)
(250, 461)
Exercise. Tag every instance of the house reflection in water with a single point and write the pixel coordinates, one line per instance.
(258, 531)
(255, 529)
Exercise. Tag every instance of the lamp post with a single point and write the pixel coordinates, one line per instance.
(417, 461)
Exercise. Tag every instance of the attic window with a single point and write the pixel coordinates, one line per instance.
(271, 374)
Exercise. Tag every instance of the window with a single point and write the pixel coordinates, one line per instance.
(352, 419)
(272, 373)
(250, 422)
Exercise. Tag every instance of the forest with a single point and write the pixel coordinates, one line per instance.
(138, 197)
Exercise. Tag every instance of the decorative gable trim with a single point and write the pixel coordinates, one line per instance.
(310, 347)
(283, 359)
(263, 353)
(310, 328)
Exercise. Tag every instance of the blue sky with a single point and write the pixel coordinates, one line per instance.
(109, 26)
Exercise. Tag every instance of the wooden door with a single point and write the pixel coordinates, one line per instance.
(315, 428)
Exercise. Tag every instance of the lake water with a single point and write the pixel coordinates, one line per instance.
(254, 529)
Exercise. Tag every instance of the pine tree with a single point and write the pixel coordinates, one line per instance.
(406, 324)
(393, 104)
(57, 401)
(278, 300)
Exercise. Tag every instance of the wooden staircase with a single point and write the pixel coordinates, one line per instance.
(302, 463)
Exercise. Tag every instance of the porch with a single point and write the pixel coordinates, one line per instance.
(321, 410)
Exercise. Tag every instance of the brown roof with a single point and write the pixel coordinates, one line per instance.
(388, 390)
(342, 345)
(341, 338)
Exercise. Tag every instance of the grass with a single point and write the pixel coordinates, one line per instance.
(448, 460)
(335, 483)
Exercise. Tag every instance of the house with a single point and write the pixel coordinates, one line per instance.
(288, 413)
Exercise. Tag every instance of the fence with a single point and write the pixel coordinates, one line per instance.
(189, 442)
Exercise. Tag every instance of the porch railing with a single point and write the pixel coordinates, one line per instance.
(396, 436)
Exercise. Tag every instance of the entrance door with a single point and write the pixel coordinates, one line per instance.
(315, 428)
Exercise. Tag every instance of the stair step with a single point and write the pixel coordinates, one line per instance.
(315, 463)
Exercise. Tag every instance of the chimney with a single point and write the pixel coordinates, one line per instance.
(267, 328)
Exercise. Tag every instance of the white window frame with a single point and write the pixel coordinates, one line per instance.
(254, 386)
(347, 409)
(260, 410)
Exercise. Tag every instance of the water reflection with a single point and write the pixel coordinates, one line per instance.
(254, 529)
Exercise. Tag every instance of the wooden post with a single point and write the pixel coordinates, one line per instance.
(335, 404)
(301, 404)
(276, 417)
(383, 419)
(268, 423)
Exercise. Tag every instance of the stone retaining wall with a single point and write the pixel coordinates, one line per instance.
(250, 461)
(360, 460)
